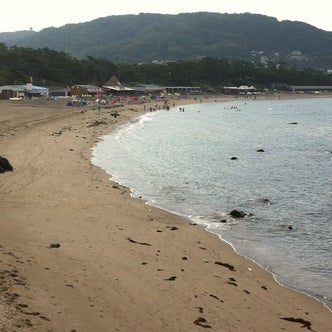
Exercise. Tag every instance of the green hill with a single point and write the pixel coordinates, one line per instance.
(148, 37)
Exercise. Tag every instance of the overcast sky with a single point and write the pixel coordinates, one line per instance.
(40, 14)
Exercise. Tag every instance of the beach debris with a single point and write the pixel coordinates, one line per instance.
(97, 123)
(170, 278)
(232, 283)
(229, 266)
(62, 130)
(54, 245)
(305, 323)
(115, 114)
(141, 243)
(216, 297)
(57, 133)
(172, 228)
(200, 309)
(201, 321)
(237, 214)
(5, 165)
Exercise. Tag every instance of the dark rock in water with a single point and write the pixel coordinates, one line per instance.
(290, 227)
(264, 200)
(260, 150)
(237, 214)
(293, 123)
(233, 158)
(5, 165)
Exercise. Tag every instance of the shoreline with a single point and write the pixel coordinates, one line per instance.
(121, 263)
(317, 296)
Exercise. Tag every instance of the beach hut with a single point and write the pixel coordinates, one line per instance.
(150, 89)
(12, 91)
(18, 91)
(86, 90)
(34, 91)
(243, 89)
(59, 92)
(115, 88)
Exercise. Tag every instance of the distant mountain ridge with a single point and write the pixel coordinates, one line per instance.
(165, 37)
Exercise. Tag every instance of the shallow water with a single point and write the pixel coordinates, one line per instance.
(181, 161)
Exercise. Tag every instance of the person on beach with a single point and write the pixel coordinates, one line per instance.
(97, 105)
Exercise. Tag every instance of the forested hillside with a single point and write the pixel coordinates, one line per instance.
(148, 37)
(49, 68)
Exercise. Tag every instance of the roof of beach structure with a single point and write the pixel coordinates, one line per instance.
(24, 87)
(113, 81)
(90, 88)
(118, 88)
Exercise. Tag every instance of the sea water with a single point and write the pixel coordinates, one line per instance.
(202, 161)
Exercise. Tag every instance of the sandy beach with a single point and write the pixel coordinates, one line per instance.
(79, 254)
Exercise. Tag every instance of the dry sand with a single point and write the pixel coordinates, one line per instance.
(120, 265)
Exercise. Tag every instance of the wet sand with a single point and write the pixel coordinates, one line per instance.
(78, 253)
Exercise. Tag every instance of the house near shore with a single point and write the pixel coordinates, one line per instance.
(149, 89)
(114, 88)
(157, 90)
(311, 88)
(184, 90)
(243, 89)
(59, 92)
(86, 90)
(18, 91)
